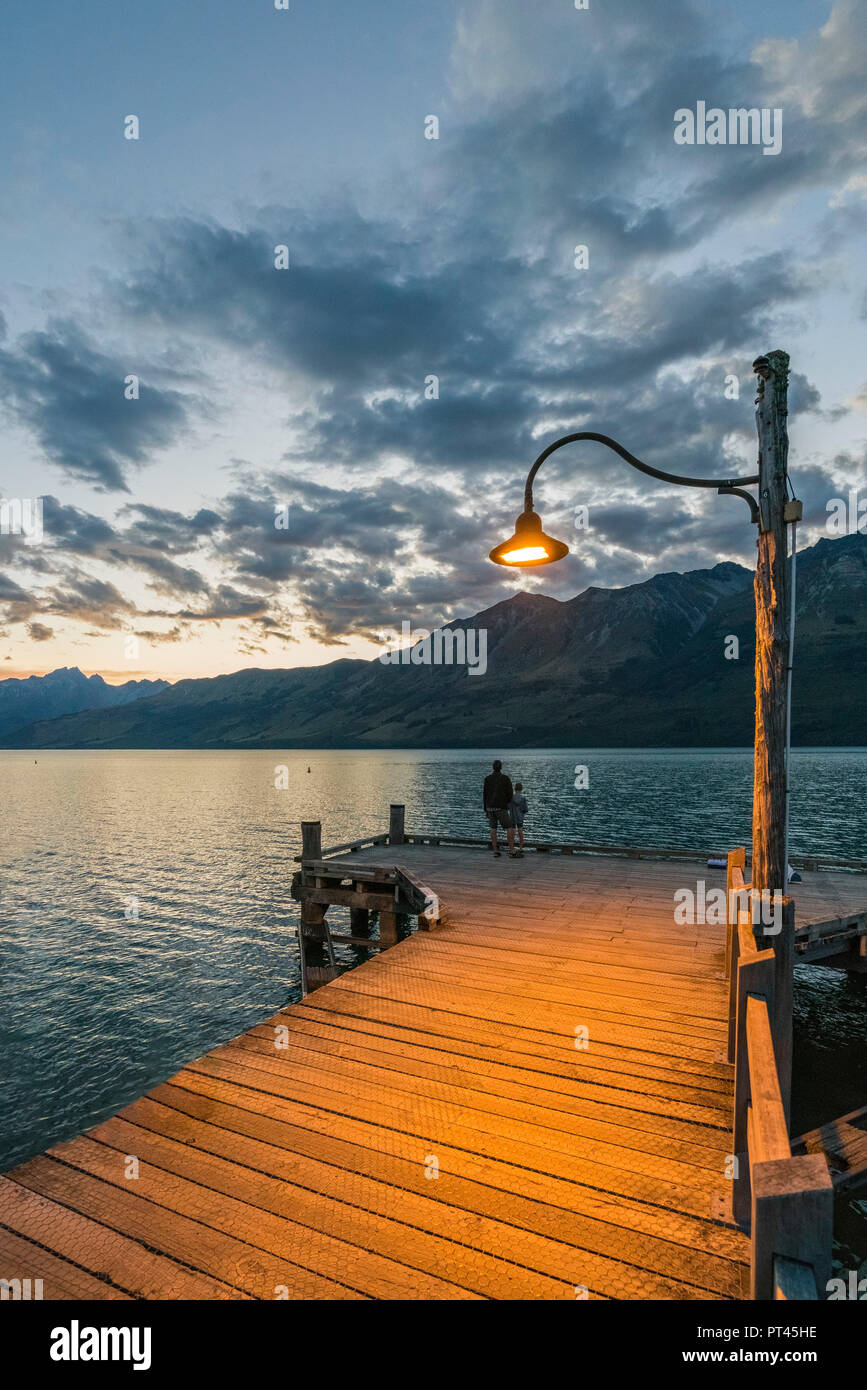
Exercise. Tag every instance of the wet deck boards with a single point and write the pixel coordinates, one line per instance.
(307, 1170)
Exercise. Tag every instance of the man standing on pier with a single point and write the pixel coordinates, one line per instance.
(496, 795)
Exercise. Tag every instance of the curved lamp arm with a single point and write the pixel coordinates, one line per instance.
(724, 485)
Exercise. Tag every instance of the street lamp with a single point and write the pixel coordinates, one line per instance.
(530, 546)
(772, 509)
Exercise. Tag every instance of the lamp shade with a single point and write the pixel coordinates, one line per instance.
(529, 545)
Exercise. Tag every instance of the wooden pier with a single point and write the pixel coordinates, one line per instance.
(534, 1097)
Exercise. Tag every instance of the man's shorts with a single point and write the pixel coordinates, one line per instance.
(498, 815)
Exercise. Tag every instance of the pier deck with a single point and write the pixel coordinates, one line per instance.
(425, 1127)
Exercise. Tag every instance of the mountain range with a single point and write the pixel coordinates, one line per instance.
(64, 691)
(641, 666)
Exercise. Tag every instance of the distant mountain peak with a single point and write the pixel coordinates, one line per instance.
(64, 691)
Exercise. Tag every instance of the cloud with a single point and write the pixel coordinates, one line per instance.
(466, 275)
(71, 395)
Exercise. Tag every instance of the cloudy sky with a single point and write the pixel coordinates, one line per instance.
(304, 388)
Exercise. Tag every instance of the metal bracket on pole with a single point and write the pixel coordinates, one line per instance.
(747, 496)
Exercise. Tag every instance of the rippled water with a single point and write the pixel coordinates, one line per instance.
(96, 1006)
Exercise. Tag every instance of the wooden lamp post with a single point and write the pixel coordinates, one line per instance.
(772, 510)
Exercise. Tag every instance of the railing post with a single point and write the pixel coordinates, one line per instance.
(737, 859)
(793, 1219)
(733, 992)
(387, 929)
(784, 967)
(311, 839)
(395, 825)
(755, 976)
(359, 921)
(314, 941)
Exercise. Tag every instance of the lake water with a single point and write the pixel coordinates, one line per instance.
(96, 1007)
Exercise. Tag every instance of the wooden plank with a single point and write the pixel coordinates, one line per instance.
(701, 1016)
(532, 1087)
(51, 1278)
(394, 1186)
(107, 1255)
(606, 1025)
(710, 1094)
(396, 1258)
(242, 1264)
(612, 1168)
(520, 1195)
(533, 1045)
(323, 1069)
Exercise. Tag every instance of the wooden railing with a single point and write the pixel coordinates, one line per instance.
(324, 881)
(785, 1201)
(397, 835)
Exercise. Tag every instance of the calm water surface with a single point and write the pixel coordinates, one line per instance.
(96, 1007)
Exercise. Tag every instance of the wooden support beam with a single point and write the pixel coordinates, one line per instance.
(421, 901)
(844, 1144)
(339, 870)
(858, 956)
(359, 921)
(387, 929)
(318, 965)
(352, 846)
(329, 895)
(364, 941)
(772, 594)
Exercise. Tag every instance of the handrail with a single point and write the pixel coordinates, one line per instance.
(786, 1200)
(351, 845)
(440, 837)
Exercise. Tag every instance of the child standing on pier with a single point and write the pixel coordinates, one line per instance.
(518, 810)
